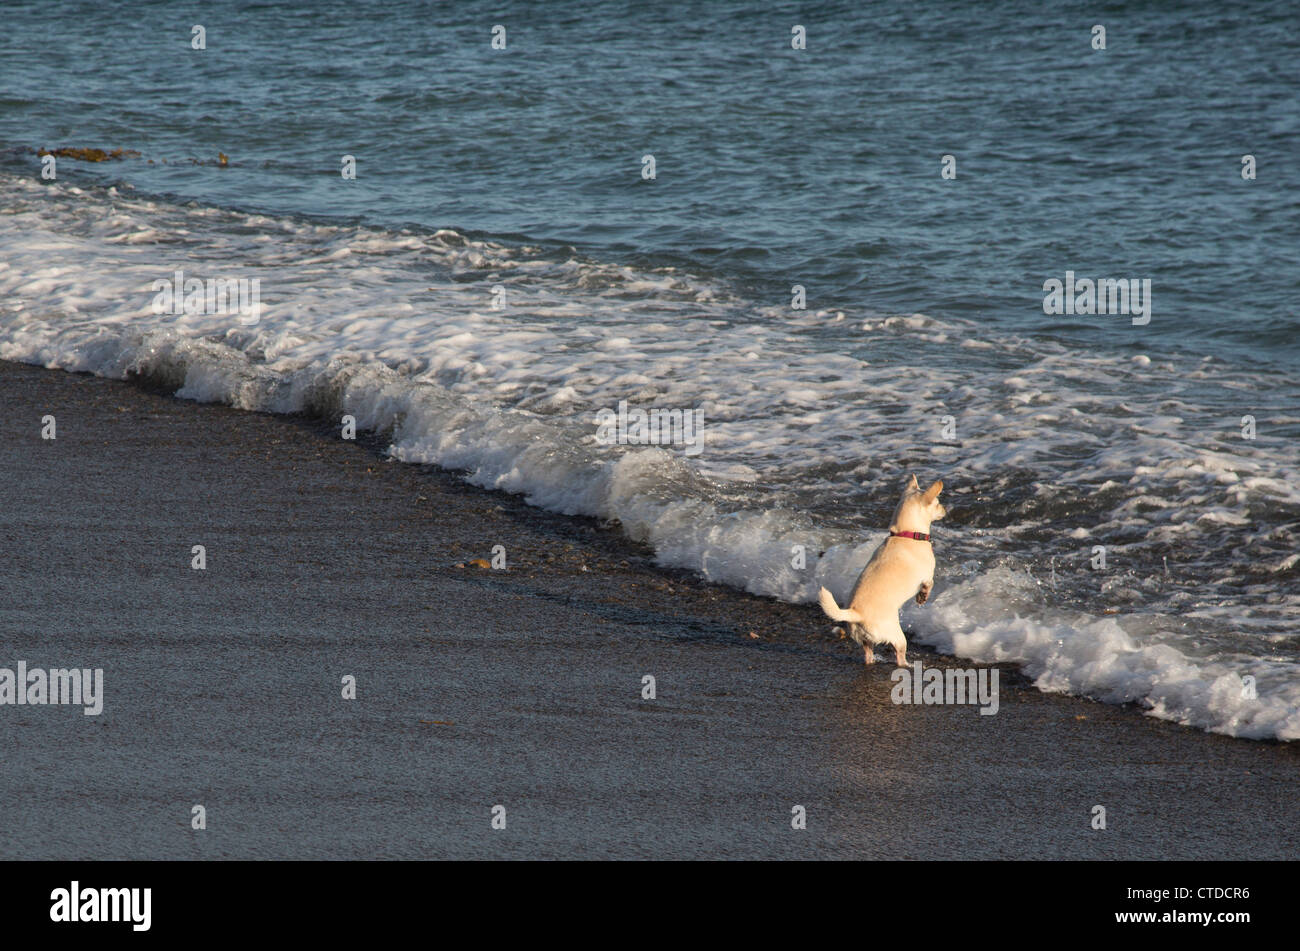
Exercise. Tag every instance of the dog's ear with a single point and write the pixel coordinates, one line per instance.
(912, 483)
(932, 493)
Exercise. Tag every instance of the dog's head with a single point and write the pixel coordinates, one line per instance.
(917, 509)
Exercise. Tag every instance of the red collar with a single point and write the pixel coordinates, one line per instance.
(919, 536)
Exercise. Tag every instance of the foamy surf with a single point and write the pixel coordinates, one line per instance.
(397, 330)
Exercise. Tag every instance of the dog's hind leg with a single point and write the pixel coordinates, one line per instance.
(891, 632)
(860, 635)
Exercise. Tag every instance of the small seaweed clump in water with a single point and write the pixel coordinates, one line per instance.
(89, 155)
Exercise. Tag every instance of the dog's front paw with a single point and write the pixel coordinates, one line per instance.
(923, 594)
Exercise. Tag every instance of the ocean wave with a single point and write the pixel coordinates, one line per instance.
(810, 428)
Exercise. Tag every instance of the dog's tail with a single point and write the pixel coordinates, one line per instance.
(834, 611)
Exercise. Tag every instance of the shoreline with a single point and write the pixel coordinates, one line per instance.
(477, 687)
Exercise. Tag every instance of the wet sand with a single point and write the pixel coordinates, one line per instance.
(477, 687)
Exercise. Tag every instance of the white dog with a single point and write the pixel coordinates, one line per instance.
(901, 567)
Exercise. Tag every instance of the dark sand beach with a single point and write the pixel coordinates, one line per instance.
(479, 687)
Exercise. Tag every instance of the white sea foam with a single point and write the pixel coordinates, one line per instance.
(1072, 652)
